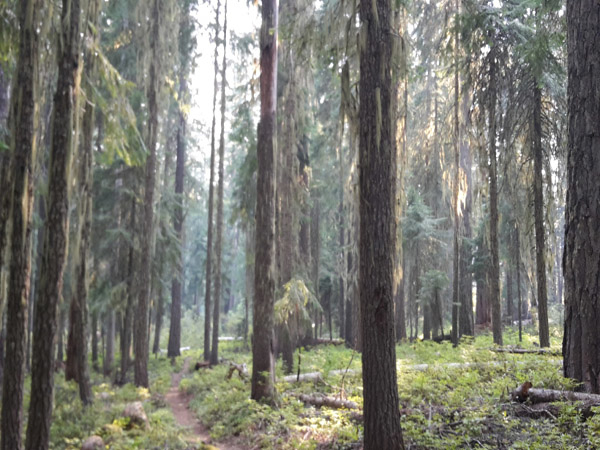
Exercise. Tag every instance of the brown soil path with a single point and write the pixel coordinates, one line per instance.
(179, 403)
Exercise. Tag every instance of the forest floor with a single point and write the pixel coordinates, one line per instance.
(197, 434)
(451, 398)
(179, 402)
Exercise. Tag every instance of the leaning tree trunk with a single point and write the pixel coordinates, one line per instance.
(495, 266)
(214, 354)
(20, 202)
(582, 233)
(538, 206)
(56, 230)
(141, 323)
(211, 189)
(264, 277)
(377, 186)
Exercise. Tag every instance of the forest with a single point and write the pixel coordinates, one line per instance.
(296, 224)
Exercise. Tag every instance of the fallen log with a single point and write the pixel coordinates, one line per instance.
(323, 400)
(311, 376)
(523, 351)
(315, 342)
(343, 371)
(544, 402)
(526, 392)
(424, 367)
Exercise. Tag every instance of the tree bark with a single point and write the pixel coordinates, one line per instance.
(377, 185)
(493, 184)
(20, 202)
(264, 280)
(519, 300)
(466, 323)
(78, 332)
(209, 233)
(109, 357)
(95, 341)
(176, 287)
(141, 323)
(126, 327)
(214, 354)
(538, 206)
(455, 206)
(582, 229)
(56, 229)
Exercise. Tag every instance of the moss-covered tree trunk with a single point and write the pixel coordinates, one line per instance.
(582, 229)
(56, 229)
(377, 185)
(19, 200)
(264, 278)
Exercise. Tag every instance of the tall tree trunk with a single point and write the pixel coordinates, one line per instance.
(509, 295)
(455, 187)
(264, 279)
(287, 149)
(62, 318)
(141, 328)
(495, 266)
(401, 109)
(209, 233)
(176, 284)
(214, 354)
(538, 206)
(466, 325)
(518, 268)
(160, 312)
(109, 357)
(582, 233)
(56, 229)
(377, 185)
(126, 327)
(315, 255)
(249, 268)
(95, 341)
(78, 333)
(20, 202)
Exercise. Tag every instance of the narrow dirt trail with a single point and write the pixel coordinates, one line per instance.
(179, 403)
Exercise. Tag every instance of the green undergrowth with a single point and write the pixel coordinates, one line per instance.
(450, 398)
(72, 423)
(460, 400)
